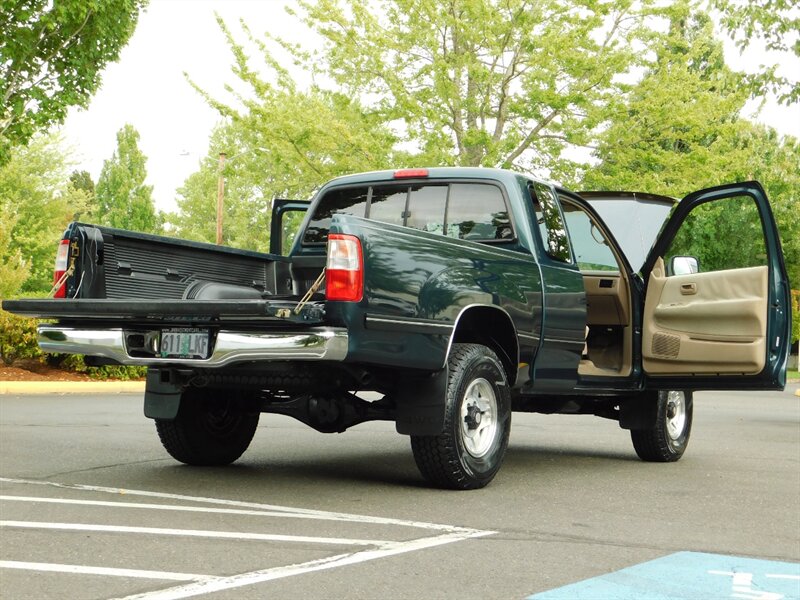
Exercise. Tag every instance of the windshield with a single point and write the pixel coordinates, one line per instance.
(634, 222)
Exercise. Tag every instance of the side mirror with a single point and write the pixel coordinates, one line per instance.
(683, 265)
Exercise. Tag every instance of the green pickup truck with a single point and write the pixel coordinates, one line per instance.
(453, 297)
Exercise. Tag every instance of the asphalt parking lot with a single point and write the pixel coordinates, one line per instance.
(92, 507)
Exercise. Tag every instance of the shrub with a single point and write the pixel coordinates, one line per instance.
(76, 362)
(18, 338)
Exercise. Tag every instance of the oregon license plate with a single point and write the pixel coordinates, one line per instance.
(184, 342)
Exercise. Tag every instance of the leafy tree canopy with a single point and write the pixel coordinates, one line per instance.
(776, 24)
(51, 57)
(681, 131)
(36, 203)
(82, 180)
(279, 141)
(121, 197)
(480, 82)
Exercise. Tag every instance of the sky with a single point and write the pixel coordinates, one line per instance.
(147, 88)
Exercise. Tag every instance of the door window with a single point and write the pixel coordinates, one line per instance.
(592, 250)
(551, 225)
(720, 235)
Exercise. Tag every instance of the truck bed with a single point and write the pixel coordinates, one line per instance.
(125, 265)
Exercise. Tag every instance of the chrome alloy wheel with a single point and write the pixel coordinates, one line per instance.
(479, 417)
(676, 414)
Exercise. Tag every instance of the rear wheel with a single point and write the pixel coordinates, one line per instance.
(469, 452)
(666, 441)
(209, 429)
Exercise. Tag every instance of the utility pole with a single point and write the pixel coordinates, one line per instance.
(220, 195)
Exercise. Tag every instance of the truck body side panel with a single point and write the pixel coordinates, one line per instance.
(416, 284)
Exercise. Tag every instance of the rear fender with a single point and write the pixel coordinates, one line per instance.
(492, 327)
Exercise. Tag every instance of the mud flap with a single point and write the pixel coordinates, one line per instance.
(162, 397)
(421, 404)
(639, 412)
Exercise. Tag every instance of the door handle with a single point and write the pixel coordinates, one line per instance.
(687, 289)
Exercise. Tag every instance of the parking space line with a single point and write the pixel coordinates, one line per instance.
(106, 571)
(295, 512)
(150, 506)
(253, 577)
(446, 534)
(229, 535)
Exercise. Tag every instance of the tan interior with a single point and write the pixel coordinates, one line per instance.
(607, 298)
(608, 317)
(703, 323)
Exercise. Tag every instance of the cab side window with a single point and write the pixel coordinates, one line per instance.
(717, 236)
(551, 225)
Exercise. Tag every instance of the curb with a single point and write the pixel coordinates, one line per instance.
(71, 387)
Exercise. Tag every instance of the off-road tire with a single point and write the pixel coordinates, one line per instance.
(666, 441)
(210, 429)
(468, 454)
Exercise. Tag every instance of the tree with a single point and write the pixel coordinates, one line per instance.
(775, 23)
(14, 270)
(36, 204)
(51, 58)
(121, 198)
(280, 142)
(82, 180)
(681, 130)
(673, 134)
(507, 83)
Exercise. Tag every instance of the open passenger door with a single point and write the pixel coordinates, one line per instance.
(721, 321)
(287, 216)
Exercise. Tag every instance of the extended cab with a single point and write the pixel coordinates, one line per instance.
(459, 295)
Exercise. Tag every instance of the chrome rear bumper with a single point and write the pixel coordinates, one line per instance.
(229, 347)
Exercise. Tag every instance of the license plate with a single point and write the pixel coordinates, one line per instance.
(184, 342)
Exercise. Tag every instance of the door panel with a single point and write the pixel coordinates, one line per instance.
(706, 322)
(726, 327)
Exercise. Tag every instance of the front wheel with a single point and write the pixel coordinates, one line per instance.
(666, 441)
(470, 450)
(209, 429)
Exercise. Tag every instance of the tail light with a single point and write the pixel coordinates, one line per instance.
(59, 279)
(344, 273)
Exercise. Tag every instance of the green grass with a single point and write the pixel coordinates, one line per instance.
(792, 374)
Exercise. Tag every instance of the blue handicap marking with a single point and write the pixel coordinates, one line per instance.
(689, 575)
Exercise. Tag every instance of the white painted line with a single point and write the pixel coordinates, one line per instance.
(450, 534)
(56, 568)
(150, 506)
(229, 535)
(296, 512)
(253, 577)
(780, 576)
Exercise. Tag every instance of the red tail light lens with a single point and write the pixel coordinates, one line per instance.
(344, 273)
(62, 260)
